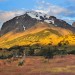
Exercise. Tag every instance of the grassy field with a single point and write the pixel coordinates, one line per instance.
(59, 65)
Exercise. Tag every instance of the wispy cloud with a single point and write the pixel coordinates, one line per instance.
(49, 8)
(55, 10)
(7, 15)
(67, 13)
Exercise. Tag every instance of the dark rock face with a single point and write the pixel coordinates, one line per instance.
(73, 25)
(18, 23)
(52, 17)
(63, 24)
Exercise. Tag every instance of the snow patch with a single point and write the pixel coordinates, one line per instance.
(24, 27)
(38, 15)
(48, 21)
(52, 21)
(34, 16)
(41, 22)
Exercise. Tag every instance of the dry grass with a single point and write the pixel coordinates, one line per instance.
(39, 66)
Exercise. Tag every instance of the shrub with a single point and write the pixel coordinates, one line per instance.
(8, 61)
(38, 52)
(71, 52)
(48, 52)
(21, 63)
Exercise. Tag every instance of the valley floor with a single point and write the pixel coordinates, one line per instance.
(59, 65)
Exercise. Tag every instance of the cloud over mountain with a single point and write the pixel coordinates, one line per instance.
(61, 9)
(49, 8)
(7, 15)
(62, 12)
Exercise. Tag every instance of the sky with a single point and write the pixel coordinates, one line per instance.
(62, 9)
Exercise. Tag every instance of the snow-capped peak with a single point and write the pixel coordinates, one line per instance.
(40, 16)
(33, 15)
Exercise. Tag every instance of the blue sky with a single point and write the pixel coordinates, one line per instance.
(64, 9)
(16, 4)
(30, 4)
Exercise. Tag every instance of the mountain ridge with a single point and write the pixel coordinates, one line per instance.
(29, 19)
(32, 28)
(41, 31)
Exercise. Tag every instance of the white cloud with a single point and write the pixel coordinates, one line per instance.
(58, 11)
(41, 6)
(69, 21)
(48, 8)
(7, 15)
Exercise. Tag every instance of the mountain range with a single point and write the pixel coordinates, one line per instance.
(36, 27)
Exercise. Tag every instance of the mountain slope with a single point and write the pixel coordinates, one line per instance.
(42, 33)
(73, 25)
(35, 27)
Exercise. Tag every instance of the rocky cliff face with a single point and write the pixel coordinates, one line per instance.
(19, 23)
(73, 25)
(29, 19)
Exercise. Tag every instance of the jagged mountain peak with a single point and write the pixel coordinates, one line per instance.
(29, 19)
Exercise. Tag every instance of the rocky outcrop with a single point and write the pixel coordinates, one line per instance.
(73, 25)
(18, 24)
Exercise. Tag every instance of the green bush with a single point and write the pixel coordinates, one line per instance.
(71, 52)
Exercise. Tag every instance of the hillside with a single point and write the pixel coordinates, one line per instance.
(35, 27)
(42, 33)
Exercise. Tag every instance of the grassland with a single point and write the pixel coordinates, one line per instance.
(64, 65)
(43, 37)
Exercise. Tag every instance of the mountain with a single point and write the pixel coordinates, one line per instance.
(29, 19)
(35, 27)
(73, 25)
(41, 32)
